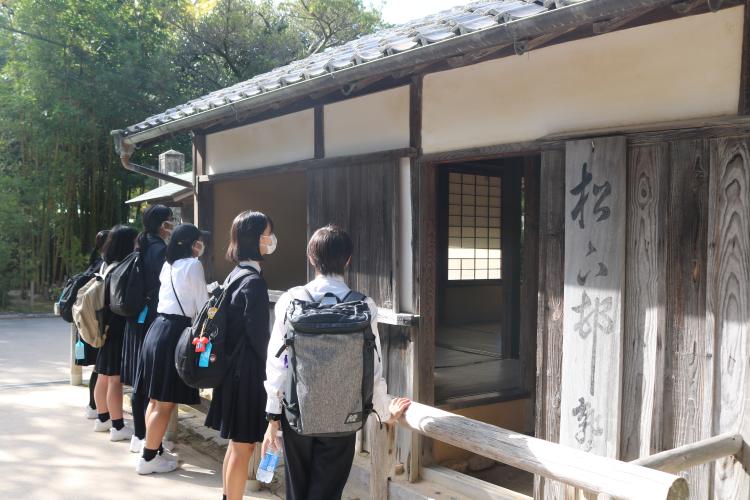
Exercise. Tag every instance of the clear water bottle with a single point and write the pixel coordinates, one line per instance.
(267, 466)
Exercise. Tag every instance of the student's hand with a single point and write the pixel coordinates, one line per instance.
(397, 407)
(271, 440)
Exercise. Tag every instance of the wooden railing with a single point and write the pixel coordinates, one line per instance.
(647, 478)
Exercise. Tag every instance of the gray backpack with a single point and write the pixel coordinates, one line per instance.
(330, 358)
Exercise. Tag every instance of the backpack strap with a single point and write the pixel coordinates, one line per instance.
(244, 271)
(353, 296)
(175, 293)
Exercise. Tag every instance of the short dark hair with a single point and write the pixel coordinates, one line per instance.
(181, 244)
(119, 244)
(329, 250)
(244, 236)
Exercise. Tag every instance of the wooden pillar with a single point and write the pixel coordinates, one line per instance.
(744, 102)
(529, 284)
(550, 308)
(511, 256)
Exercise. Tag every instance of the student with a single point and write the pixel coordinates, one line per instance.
(237, 406)
(182, 294)
(119, 244)
(318, 468)
(151, 243)
(90, 353)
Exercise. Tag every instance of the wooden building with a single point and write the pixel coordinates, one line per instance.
(549, 203)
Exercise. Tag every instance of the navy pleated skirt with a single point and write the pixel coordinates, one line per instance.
(109, 357)
(156, 376)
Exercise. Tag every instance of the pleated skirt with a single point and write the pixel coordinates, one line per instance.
(156, 376)
(109, 358)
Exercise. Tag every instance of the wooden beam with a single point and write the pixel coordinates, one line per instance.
(469, 486)
(301, 165)
(320, 142)
(691, 455)
(561, 463)
(199, 155)
(606, 26)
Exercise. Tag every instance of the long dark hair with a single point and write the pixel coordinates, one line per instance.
(120, 243)
(96, 253)
(153, 217)
(244, 237)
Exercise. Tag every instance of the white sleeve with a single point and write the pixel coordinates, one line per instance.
(275, 367)
(198, 286)
(380, 398)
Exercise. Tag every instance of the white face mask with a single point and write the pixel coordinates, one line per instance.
(270, 247)
(202, 249)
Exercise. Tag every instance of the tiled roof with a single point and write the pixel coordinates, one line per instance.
(389, 42)
(167, 191)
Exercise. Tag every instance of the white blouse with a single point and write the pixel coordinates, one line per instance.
(189, 283)
(275, 369)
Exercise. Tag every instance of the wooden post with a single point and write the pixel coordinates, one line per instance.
(381, 440)
(550, 308)
(76, 371)
(583, 470)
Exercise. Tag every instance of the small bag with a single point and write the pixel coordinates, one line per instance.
(201, 356)
(331, 360)
(90, 308)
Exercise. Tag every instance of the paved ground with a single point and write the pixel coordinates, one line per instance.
(48, 450)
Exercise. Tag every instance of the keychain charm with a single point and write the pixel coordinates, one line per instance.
(205, 357)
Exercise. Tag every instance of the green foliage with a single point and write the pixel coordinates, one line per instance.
(72, 70)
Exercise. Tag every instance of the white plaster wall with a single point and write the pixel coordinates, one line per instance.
(680, 69)
(367, 124)
(271, 142)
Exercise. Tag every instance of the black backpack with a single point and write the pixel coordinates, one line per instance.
(127, 286)
(210, 324)
(331, 349)
(70, 292)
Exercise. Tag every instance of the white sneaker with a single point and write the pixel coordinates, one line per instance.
(122, 435)
(158, 464)
(90, 413)
(136, 445)
(100, 426)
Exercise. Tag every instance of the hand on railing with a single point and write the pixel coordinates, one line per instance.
(397, 407)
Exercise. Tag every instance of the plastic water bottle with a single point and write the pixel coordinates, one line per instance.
(267, 466)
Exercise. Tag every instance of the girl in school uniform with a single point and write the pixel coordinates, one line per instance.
(152, 245)
(119, 244)
(237, 406)
(182, 294)
(317, 468)
(90, 353)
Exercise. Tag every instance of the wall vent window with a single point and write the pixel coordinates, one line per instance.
(474, 251)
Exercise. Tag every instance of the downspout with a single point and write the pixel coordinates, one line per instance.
(125, 149)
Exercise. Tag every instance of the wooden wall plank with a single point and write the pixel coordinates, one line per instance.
(687, 386)
(550, 307)
(643, 342)
(744, 104)
(511, 256)
(319, 132)
(204, 216)
(728, 302)
(347, 196)
(595, 211)
(530, 283)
